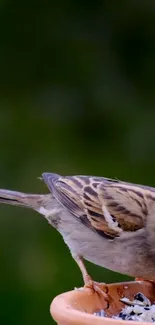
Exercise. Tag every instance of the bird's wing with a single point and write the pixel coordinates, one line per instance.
(107, 206)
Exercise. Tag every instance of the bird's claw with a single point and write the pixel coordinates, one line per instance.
(100, 288)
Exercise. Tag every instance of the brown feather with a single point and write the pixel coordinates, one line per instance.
(104, 205)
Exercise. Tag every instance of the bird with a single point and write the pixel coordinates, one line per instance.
(108, 222)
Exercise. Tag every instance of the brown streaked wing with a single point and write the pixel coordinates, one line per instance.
(78, 195)
(70, 191)
(86, 196)
(126, 202)
(66, 194)
(93, 207)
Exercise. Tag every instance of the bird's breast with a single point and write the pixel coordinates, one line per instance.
(127, 254)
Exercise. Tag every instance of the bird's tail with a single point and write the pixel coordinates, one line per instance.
(20, 199)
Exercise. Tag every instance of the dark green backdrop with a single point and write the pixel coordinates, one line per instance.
(77, 96)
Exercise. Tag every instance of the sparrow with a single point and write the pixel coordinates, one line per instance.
(108, 222)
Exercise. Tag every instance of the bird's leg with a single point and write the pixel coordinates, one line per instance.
(100, 288)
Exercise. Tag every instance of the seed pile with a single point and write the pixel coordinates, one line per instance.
(139, 309)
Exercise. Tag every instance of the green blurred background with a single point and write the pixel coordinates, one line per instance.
(77, 96)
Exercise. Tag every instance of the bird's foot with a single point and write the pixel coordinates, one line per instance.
(100, 288)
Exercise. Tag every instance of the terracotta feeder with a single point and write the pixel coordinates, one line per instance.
(77, 307)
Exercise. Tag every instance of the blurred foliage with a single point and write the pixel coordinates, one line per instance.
(77, 96)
